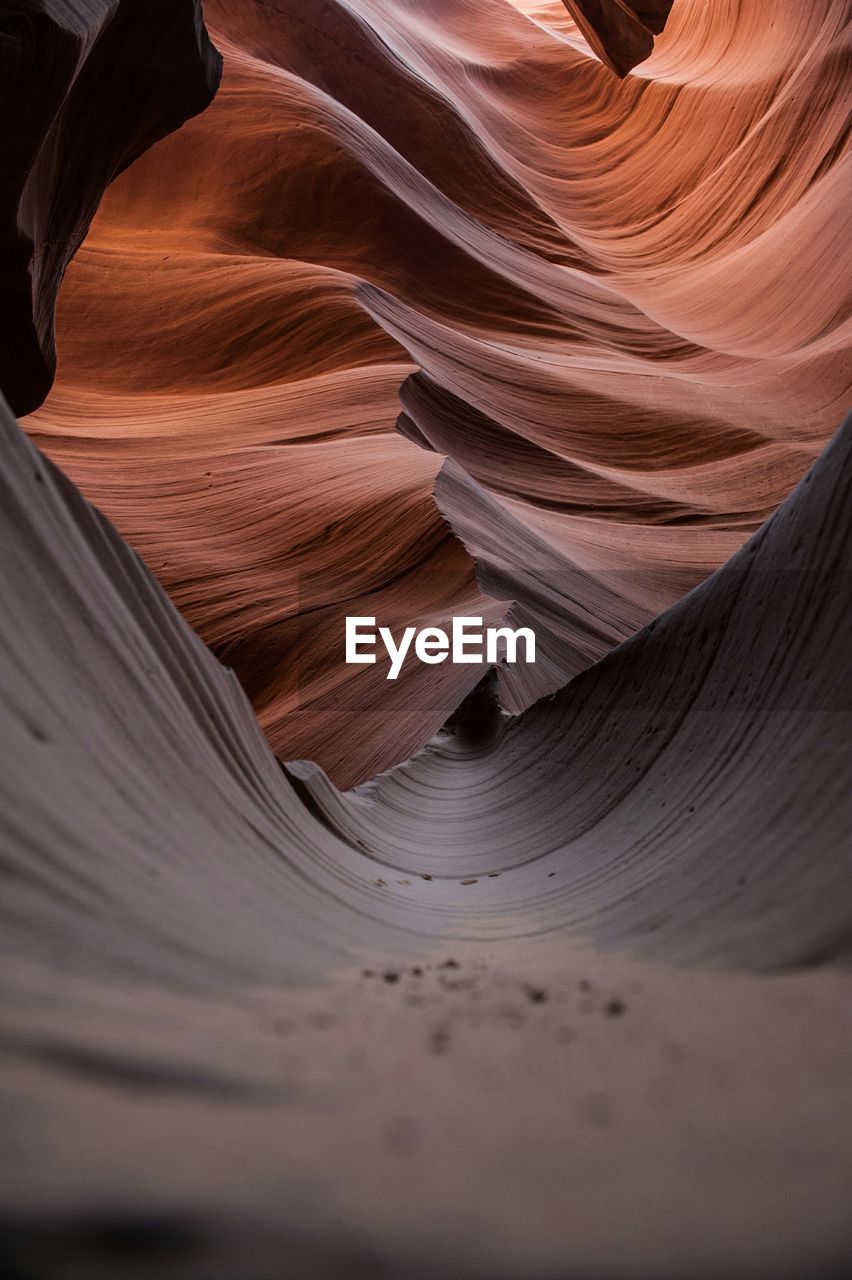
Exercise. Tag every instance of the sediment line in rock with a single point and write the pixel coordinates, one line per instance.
(623, 303)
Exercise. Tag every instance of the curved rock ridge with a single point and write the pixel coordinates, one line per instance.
(684, 773)
(567, 992)
(709, 749)
(167, 884)
(85, 88)
(623, 304)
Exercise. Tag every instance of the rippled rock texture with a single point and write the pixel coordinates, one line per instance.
(621, 304)
(433, 1025)
(428, 314)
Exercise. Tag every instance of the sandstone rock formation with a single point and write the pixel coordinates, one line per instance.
(440, 1026)
(85, 88)
(428, 314)
(622, 304)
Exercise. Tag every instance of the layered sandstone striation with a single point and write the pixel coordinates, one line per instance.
(429, 314)
(509, 990)
(617, 306)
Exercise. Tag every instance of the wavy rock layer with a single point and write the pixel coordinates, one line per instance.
(566, 993)
(168, 883)
(622, 304)
(84, 89)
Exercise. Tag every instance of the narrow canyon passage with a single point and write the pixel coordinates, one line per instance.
(534, 312)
